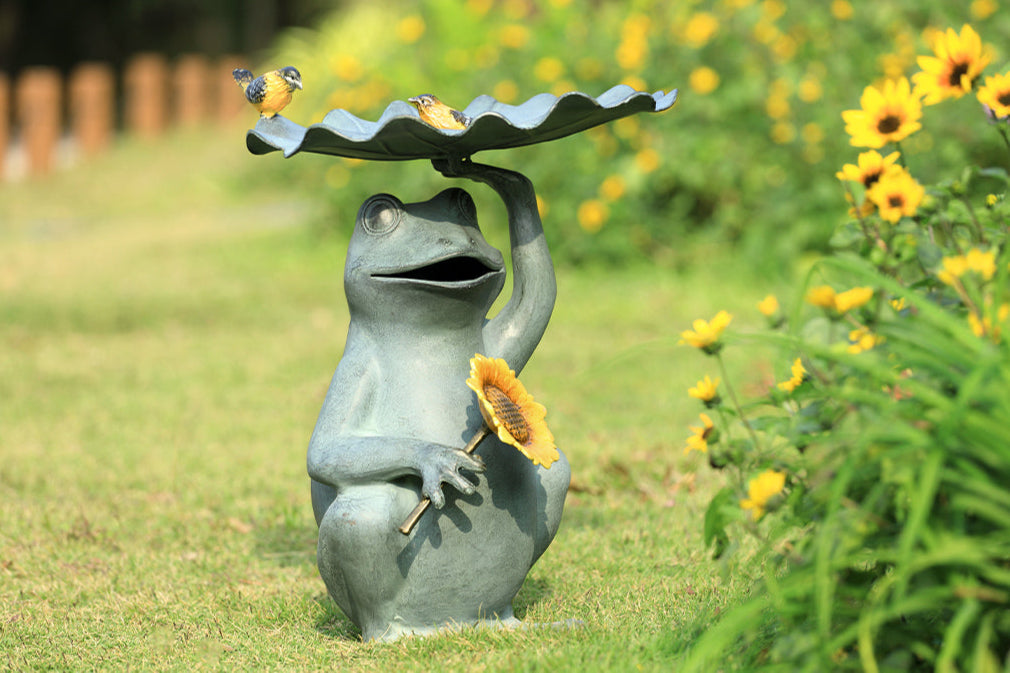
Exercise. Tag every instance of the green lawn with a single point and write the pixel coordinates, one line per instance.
(166, 339)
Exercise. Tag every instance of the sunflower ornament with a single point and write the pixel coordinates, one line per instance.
(509, 412)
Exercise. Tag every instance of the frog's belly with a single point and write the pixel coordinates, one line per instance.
(462, 563)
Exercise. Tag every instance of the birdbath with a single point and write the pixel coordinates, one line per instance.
(424, 405)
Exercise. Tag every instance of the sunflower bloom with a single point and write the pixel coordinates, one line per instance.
(799, 374)
(700, 437)
(957, 62)
(509, 411)
(706, 390)
(896, 194)
(868, 168)
(885, 116)
(995, 94)
(761, 489)
(705, 334)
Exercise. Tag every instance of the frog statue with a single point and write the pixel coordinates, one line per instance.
(420, 280)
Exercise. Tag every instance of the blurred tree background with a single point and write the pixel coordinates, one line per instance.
(63, 33)
(744, 162)
(745, 159)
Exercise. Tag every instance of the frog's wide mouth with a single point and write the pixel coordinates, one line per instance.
(459, 271)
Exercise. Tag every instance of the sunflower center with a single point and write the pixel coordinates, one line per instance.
(895, 201)
(508, 412)
(889, 124)
(956, 73)
(870, 178)
(1004, 98)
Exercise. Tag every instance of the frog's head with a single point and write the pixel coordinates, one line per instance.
(426, 259)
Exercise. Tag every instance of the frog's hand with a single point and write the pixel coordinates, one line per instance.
(514, 333)
(345, 461)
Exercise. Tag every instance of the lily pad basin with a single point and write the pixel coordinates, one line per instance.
(400, 134)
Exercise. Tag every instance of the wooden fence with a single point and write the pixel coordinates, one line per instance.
(40, 109)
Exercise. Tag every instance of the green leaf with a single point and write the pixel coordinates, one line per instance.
(722, 510)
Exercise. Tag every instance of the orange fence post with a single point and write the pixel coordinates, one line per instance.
(230, 100)
(92, 106)
(5, 117)
(146, 83)
(191, 87)
(38, 112)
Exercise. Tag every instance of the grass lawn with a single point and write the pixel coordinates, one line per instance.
(166, 339)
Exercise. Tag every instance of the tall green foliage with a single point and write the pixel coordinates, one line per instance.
(877, 473)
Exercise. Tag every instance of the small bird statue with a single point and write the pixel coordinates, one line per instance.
(437, 113)
(270, 92)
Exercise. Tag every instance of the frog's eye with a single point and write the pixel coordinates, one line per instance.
(466, 206)
(380, 214)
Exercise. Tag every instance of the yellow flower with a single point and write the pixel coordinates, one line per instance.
(592, 214)
(824, 296)
(861, 339)
(952, 71)
(868, 168)
(703, 80)
(699, 29)
(985, 327)
(955, 266)
(952, 268)
(505, 91)
(982, 263)
(410, 29)
(810, 89)
(798, 375)
(841, 10)
(548, 69)
(705, 390)
(983, 9)
(854, 298)
(647, 160)
(612, 187)
(761, 489)
(510, 411)
(698, 441)
(896, 194)
(769, 306)
(887, 115)
(995, 94)
(705, 334)
(514, 36)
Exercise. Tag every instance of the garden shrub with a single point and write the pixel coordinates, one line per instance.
(876, 470)
(742, 159)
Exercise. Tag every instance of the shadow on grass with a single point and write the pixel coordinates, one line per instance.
(333, 623)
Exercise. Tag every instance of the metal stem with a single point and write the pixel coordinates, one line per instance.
(471, 446)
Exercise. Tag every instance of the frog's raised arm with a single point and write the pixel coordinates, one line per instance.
(514, 333)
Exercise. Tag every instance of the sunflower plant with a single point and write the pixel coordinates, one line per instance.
(874, 468)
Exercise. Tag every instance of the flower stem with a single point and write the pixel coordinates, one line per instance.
(736, 402)
(1002, 132)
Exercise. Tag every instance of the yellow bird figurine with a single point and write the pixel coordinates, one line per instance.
(438, 114)
(270, 92)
